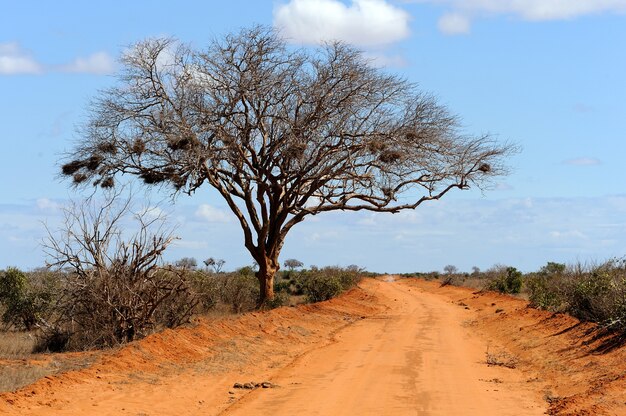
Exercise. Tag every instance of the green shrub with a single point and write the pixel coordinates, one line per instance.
(240, 291)
(326, 283)
(282, 286)
(318, 288)
(280, 299)
(545, 288)
(589, 293)
(595, 295)
(544, 292)
(508, 282)
(23, 304)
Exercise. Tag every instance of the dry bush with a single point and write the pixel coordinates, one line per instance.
(501, 359)
(239, 290)
(597, 293)
(589, 292)
(114, 289)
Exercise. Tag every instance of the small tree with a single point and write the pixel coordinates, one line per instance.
(506, 280)
(293, 264)
(280, 134)
(450, 269)
(552, 268)
(215, 264)
(22, 304)
(187, 263)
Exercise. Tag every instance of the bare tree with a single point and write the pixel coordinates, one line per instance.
(280, 134)
(114, 289)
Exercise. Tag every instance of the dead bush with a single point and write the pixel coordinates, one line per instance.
(114, 289)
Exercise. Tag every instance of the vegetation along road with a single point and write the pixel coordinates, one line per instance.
(387, 347)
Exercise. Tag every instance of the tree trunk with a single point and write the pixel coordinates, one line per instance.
(267, 270)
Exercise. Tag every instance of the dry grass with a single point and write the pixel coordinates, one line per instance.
(19, 367)
(16, 345)
(501, 359)
(15, 376)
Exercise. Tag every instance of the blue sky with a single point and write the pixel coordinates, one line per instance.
(549, 75)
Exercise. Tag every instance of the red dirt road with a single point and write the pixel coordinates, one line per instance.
(416, 358)
(386, 348)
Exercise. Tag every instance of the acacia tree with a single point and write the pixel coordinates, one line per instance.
(280, 134)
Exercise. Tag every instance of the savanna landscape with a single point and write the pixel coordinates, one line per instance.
(310, 142)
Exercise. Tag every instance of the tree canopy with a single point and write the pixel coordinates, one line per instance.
(279, 133)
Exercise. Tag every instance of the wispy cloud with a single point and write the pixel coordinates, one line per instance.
(211, 214)
(454, 24)
(362, 22)
(99, 63)
(381, 59)
(583, 161)
(48, 205)
(14, 60)
(461, 12)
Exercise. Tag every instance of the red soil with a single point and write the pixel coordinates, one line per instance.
(404, 347)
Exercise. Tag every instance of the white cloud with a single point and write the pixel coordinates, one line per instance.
(99, 63)
(152, 212)
(502, 186)
(583, 161)
(547, 9)
(45, 204)
(14, 60)
(567, 234)
(533, 10)
(454, 24)
(380, 60)
(191, 244)
(212, 214)
(363, 22)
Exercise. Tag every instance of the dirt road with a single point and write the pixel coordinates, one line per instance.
(419, 357)
(405, 347)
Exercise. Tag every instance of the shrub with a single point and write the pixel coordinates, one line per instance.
(597, 293)
(240, 290)
(324, 284)
(282, 286)
(544, 292)
(116, 291)
(23, 303)
(318, 288)
(507, 281)
(280, 299)
(206, 287)
(545, 287)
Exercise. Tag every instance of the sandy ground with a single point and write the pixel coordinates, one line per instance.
(389, 347)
